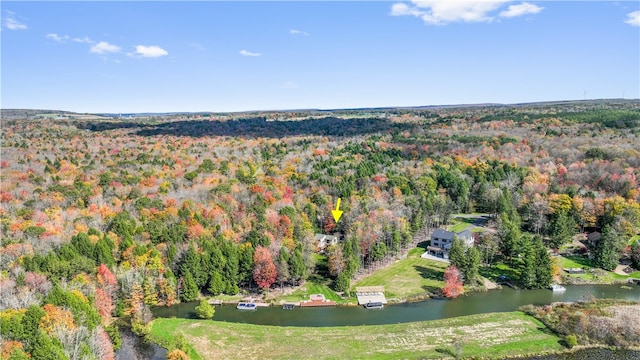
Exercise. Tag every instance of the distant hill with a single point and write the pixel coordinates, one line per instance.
(7, 114)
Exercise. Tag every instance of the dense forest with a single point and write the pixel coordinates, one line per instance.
(104, 219)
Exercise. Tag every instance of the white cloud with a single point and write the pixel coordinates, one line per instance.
(152, 51)
(104, 47)
(440, 12)
(521, 9)
(298, 32)
(400, 9)
(84, 40)
(58, 38)
(633, 18)
(11, 23)
(248, 53)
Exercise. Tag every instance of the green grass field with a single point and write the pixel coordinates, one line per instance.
(310, 288)
(494, 335)
(607, 277)
(407, 278)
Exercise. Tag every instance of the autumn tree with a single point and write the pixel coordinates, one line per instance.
(452, 283)
(177, 354)
(335, 260)
(264, 270)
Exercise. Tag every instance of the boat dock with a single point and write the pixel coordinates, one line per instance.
(370, 294)
(317, 300)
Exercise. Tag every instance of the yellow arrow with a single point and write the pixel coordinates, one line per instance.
(337, 213)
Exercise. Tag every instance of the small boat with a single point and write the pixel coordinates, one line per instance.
(246, 306)
(557, 288)
(288, 306)
(374, 305)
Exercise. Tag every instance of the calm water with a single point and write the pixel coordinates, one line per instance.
(492, 301)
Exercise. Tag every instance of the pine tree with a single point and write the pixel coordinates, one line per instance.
(216, 285)
(609, 248)
(189, 288)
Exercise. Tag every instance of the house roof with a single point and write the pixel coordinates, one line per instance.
(465, 234)
(442, 234)
(327, 237)
(448, 235)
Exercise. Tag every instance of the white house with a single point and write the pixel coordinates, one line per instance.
(441, 241)
(325, 241)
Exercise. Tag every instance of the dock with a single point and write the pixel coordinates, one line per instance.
(214, 302)
(317, 300)
(370, 294)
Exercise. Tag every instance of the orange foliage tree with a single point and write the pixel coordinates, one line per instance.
(264, 270)
(452, 282)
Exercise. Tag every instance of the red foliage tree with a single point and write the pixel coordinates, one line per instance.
(264, 270)
(328, 225)
(37, 282)
(107, 280)
(103, 304)
(452, 282)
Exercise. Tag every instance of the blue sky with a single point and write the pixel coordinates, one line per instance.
(146, 56)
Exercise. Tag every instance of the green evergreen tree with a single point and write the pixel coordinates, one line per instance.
(472, 274)
(296, 265)
(561, 228)
(544, 267)
(191, 263)
(528, 268)
(189, 288)
(342, 282)
(216, 285)
(509, 235)
(456, 253)
(609, 247)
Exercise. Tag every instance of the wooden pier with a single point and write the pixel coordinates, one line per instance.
(317, 300)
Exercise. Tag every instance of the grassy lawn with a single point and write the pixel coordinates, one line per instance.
(495, 335)
(458, 226)
(575, 262)
(492, 272)
(606, 277)
(164, 334)
(310, 288)
(410, 277)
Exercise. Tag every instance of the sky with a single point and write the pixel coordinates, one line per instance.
(144, 56)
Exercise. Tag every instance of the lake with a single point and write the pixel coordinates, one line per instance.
(503, 300)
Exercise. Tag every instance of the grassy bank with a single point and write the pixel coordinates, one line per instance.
(310, 288)
(407, 278)
(593, 275)
(494, 335)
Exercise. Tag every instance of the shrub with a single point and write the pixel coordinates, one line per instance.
(570, 341)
